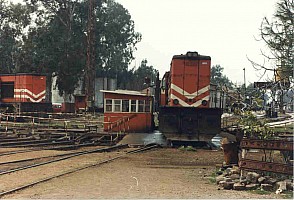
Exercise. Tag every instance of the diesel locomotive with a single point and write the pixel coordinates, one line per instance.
(23, 92)
(190, 107)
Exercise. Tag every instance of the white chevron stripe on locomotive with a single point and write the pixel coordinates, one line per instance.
(185, 104)
(23, 91)
(191, 95)
(28, 97)
(27, 94)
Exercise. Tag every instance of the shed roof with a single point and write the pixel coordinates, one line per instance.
(125, 92)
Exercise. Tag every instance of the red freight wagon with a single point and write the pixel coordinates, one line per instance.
(25, 92)
(128, 111)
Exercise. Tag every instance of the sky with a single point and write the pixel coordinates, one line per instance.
(226, 30)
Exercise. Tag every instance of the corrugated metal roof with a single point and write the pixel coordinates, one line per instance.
(125, 92)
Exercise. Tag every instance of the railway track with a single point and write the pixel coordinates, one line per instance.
(18, 151)
(44, 157)
(70, 155)
(55, 158)
(62, 147)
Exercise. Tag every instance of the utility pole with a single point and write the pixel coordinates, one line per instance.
(90, 65)
(244, 84)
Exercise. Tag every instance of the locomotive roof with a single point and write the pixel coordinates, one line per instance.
(192, 56)
(23, 74)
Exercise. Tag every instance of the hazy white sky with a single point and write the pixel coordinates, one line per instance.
(222, 29)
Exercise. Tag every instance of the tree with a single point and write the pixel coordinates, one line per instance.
(63, 33)
(218, 78)
(57, 43)
(115, 41)
(14, 19)
(137, 76)
(278, 36)
(54, 40)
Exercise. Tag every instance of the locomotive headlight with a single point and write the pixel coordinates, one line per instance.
(176, 101)
(204, 102)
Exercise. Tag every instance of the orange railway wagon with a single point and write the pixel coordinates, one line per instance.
(127, 111)
(188, 111)
(24, 92)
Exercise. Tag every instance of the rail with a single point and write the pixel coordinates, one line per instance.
(67, 156)
(3, 193)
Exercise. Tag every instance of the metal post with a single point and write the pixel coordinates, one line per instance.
(49, 121)
(244, 84)
(65, 127)
(6, 128)
(33, 122)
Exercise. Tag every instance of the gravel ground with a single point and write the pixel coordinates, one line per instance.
(161, 173)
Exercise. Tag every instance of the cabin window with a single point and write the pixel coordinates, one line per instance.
(141, 106)
(117, 105)
(147, 106)
(133, 105)
(7, 90)
(108, 105)
(125, 106)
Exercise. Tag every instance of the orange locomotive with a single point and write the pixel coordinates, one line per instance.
(24, 92)
(188, 109)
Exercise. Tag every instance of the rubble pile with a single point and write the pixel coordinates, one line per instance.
(230, 178)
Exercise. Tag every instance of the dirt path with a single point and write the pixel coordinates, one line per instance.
(161, 173)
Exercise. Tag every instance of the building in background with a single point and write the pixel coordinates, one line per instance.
(76, 101)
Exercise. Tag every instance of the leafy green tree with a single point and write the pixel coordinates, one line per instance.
(14, 19)
(57, 43)
(115, 41)
(54, 40)
(64, 33)
(137, 77)
(218, 78)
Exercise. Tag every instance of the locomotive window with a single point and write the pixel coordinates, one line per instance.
(7, 90)
(125, 105)
(117, 105)
(133, 105)
(108, 105)
(141, 106)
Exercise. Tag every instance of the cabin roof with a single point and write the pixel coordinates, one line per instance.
(125, 92)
